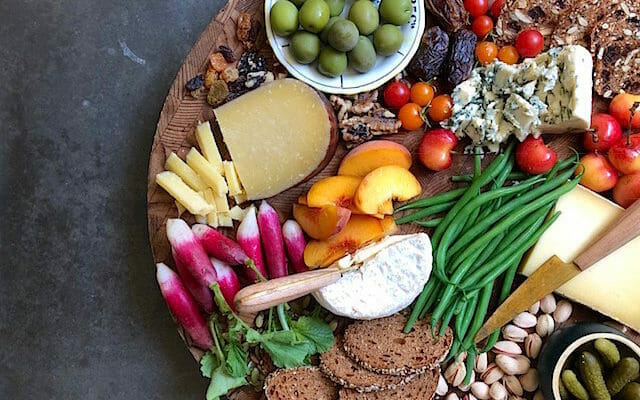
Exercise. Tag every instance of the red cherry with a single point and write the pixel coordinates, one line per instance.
(627, 190)
(435, 149)
(534, 157)
(529, 43)
(599, 175)
(625, 155)
(396, 94)
(496, 8)
(607, 133)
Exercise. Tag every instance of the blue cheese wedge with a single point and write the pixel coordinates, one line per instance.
(547, 94)
(380, 279)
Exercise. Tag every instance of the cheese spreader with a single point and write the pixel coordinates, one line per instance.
(555, 272)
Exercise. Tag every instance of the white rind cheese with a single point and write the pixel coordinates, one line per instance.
(391, 274)
(547, 94)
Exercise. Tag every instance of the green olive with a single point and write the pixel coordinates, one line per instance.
(314, 15)
(331, 62)
(387, 39)
(397, 12)
(335, 6)
(305, 46)
(324, 35)
(365, 15)
(284, 18)
(343, 35)
(363, 57)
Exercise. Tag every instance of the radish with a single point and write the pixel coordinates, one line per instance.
(201, 293)
(183, 307)
(248, 237)
(295, 244)
(219, 246)
(271, 234)
(227, 279)
(188, 251)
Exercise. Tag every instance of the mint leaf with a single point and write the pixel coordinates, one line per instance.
(208, 363)
(284, 347)
(236, 360)
(314, 330)
(222, 383)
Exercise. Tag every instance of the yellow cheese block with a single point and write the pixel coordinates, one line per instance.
(611, 286)
(208, 146)
(180, 191)
(277, 135)
(231, 175)
(185, 172)
(207, 172)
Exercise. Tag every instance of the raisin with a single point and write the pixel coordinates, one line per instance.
(243, 27)
(218, 62)
(461, 56)
(210, 77)
(227, 53)
(250, 61)
(195, 83)
(428, 61)
(218, 93)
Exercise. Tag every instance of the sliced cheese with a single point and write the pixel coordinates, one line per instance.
(207, 172)
(224, 219)
(180, 191)
(212, 217)
(240, 198)
(612, 285)
(231, 175)
(237, 214)
(222, 204)
(277, 135)
(208, 146)
(185, 172)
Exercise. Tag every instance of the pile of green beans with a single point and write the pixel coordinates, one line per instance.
(481, 233)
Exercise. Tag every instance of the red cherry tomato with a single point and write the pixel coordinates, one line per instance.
(508, 55)
(476, 7)
(482, 25)
(529, 43)
(422, 93)
(396, 94)
(410, 116)
(486, 52)
(496, 7)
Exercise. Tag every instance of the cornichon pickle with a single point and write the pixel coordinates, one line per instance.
(626, 370)
(608, 352)
(592, 377)
(564, 395)
(573, 385)
(630, 391)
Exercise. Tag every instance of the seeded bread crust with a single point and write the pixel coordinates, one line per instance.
(344, 371)
(381, 346)
(302, 383)
(614, 43)
(575, 26)
(421, 388)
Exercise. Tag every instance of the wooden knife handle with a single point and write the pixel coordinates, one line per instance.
(264, 295)
(625, 229)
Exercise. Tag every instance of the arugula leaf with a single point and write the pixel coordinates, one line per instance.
(284, 347)
(314, 330)
(222, 383)
(236, 360)
(208, 363)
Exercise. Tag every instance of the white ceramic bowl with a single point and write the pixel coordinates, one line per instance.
(351, 81)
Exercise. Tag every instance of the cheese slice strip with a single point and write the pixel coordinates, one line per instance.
(235, 188)
(207, 172)
(277, 135)
(180, 191)
(188, 175)
(207, 144)
(612, 286)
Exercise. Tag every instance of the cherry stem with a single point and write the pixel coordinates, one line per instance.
(632, 111)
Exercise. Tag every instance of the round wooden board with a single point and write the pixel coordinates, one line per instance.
(181, 112)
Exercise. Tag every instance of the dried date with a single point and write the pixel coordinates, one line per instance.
(428, 61)
(451, 14)
(461, 56)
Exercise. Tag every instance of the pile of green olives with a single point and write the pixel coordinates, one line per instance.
(336, 41)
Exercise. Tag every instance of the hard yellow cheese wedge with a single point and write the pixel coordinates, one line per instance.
(180, 191)
(611, 286)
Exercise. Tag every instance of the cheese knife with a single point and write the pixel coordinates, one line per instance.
(555, 272)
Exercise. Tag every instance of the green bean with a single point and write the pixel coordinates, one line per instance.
(431, 223)
(488, 251)
(470, 363)
(453, 351)
(478, 319)
(447, 319)
(465, 317)
(425, 212)
(420, 302)
(513, 176)
(437, 199)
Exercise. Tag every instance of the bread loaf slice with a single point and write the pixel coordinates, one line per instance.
(518, 15)
(575, 26)
(346, 372)
(380, 345)
(422, 387)
(302, 383)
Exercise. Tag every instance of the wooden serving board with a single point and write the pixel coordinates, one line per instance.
(181, 112)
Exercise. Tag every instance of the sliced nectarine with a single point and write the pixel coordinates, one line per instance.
(320, 223)
(374, 154)
(334, 190)
(383, 185)
(360, 230)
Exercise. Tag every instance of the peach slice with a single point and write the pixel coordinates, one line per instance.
(372, 155)
(384, 184)
(334, 190)
(360, 230)
(320, 223)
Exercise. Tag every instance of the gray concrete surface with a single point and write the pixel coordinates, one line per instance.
(80, 313)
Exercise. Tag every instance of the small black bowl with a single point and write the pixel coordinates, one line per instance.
(564, 342)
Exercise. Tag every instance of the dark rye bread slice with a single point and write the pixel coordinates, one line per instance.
(302, 383)
(381, 345)
(614, 42)
(344, 371)
(575, 26)
(422, 387)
